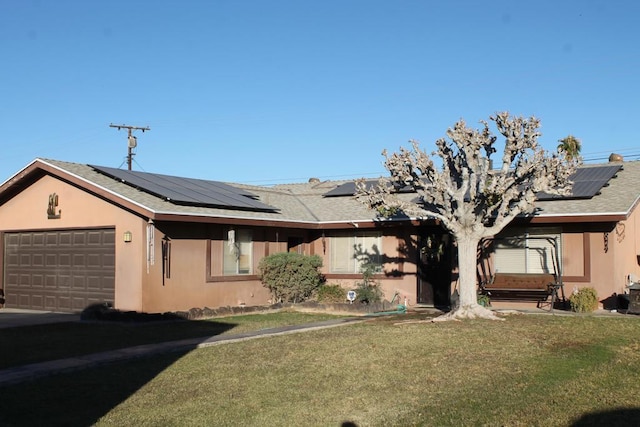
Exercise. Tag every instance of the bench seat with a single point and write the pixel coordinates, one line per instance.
(522, 286)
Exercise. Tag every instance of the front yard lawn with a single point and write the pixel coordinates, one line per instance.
(528, 370)
(31, 344)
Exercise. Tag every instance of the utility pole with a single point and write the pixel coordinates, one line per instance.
(132, 141)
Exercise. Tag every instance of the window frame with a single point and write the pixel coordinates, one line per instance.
(350, 263)
(532, 239)
(242, 242)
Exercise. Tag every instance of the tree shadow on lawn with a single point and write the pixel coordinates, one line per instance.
(81, 397)
(620, 417)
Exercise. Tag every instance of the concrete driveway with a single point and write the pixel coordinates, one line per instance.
(13, 317)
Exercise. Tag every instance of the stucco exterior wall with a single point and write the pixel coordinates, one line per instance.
(192, 275)
(196, 278)
(611, 255)
(626, 235)
(399, 269)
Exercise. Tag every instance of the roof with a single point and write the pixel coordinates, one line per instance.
(304, 204)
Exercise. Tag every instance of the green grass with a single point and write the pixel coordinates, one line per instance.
(528, 370)
(31, 344)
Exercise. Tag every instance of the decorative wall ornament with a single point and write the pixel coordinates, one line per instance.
(53, 204)
(606, 242)
(620, 231)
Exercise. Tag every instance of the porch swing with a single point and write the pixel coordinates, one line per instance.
(546, 288)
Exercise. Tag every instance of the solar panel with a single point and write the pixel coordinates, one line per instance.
(346, 189)
(187, 191)
(349, 189)
(587, 182)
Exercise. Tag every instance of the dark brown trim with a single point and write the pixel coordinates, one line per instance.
(1, 268)
(231, 278)
(237, 278)
(586, 262)
(29, 230)
(207, 262)
(578, 219)
(249, 222)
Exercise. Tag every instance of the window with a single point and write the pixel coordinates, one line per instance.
(349, 253)
(237, 252)
(528, 251)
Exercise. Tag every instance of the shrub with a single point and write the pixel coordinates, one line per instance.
(368, 291)
(291, 277)
(584, 300)
(484, 300)
(332, 294)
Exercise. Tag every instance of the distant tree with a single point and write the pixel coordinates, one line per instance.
(471, 200)
(571, 147)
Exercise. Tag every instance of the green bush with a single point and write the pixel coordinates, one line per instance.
(484, 300)
(332, 294)
(368, 291)
(584, 300)
(291, 277)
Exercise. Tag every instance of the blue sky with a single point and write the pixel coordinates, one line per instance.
(265, 92)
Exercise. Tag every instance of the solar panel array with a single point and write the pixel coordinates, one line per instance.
(587, 182)
(187, 191)
(349, 189)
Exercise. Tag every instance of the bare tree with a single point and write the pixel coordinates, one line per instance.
(469, 198)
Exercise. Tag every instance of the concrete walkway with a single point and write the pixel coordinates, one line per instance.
(33, 371)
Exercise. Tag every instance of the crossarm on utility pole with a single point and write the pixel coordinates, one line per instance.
(132, 141)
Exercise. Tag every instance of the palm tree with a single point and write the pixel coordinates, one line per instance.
(571, 147)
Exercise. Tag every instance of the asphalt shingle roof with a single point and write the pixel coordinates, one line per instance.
(305, 203)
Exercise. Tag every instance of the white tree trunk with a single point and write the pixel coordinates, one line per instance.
(467, 268)
(468, 307)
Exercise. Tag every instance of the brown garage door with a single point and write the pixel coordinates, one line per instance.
(59, 270)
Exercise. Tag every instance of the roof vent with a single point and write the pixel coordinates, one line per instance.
(314, 180)
(614, 157)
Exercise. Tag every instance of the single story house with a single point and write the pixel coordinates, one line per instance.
(75, 234)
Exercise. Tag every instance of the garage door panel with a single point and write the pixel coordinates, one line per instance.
(109, 261)
(25, 240)
(64, 260)
(50, 302)
(37, 280)
(78, 283)
(37, 260)
(65, 238)
(59, 270)
(63, 303)
(50, 281)
(24, 281)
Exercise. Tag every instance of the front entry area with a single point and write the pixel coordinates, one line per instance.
(59, 270)
(434, 268)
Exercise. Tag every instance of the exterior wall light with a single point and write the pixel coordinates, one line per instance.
(127, 237)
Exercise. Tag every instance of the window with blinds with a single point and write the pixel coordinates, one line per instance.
(531, 250)
(349, 253)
